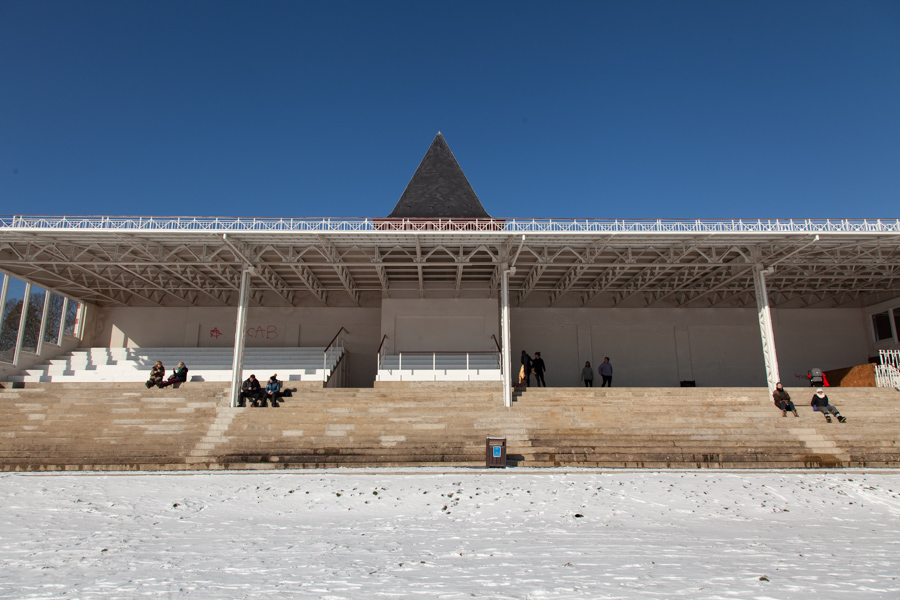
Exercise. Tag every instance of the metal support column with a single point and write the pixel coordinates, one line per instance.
(240, 332)
(43, 332)
(504, 334)
(62, 320)
(3, 289)
(22, 317)
(765, 325)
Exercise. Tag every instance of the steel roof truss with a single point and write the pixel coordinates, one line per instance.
(568, 280)
(531, 280)
(331, 253)
(645, 279)
(309, 280)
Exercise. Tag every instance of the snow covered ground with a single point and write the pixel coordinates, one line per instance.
(467, 533)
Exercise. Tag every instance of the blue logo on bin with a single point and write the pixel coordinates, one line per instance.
(496, 451)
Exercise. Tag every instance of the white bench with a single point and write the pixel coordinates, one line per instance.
(204, 364)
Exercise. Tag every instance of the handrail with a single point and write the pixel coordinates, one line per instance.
(334, 338)
(325, 352)
(378, 354)
(437, 366)
(887, 374)
(408, 225)
(446, 352)
(499, 349)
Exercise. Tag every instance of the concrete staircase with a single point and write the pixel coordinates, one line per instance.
(92, 365)
(58, 426)
(709, 427)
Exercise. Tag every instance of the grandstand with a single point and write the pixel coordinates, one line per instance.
(432, 306)
(69, 426)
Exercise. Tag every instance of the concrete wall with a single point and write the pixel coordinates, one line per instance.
(661, 347)
(647, 347)
(461, 325)
(276, 327)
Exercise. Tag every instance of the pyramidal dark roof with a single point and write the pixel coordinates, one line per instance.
(439, 189)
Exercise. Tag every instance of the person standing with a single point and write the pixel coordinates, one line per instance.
(539, 369)
(605, 370)
(587, 374)
(526, 368)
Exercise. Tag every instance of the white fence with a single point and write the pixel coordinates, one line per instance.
(887, 374)
(326, 225)
(439, 366)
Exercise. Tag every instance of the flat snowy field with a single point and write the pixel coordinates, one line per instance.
(464, 533)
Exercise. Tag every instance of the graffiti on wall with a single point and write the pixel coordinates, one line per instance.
(256, 334)
(263, 332)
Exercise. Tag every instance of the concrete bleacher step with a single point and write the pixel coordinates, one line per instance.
(125, 426)
(206, 364)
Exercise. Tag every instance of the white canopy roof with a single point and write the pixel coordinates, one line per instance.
(187, 261)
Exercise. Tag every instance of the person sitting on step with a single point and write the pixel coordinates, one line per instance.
(273, 391)
(179, 375)
(156, 375)
(820, 403)
(783, 400)
(250, 389)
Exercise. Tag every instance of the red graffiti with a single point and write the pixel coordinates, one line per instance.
(215, 333)
(267, 332)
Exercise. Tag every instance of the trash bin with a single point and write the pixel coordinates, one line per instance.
(495, 452)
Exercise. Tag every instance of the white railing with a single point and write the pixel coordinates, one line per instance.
(887, 374)
(439, 366)
(380, 349)
(326, 225)
(333, 350)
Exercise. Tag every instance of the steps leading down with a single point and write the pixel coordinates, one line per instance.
(53, 426)
(92, 365)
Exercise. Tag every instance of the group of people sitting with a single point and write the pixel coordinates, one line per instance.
(819, 403)
(251, 388)
(253, 391)
(158, 372)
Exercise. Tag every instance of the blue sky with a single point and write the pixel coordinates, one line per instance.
(572, 110)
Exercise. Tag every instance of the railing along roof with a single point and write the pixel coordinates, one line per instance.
(509, 226)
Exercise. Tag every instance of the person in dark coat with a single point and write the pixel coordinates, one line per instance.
(605, 370)
(179, 375)
(820, 404)
(156, 375)
(537, 365)
(273, 391)
(783, 400)
(251, 389)
(526, 368)
(587, 374)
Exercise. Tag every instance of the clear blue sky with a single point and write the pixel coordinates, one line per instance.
(553, 109)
